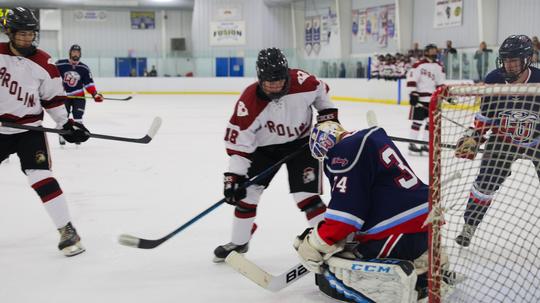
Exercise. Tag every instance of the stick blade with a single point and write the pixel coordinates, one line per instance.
(128, 240)
(156, 124)
(248, 269)
(371, 118)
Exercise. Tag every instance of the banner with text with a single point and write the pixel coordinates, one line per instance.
(227, 33)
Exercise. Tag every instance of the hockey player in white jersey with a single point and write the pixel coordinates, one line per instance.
(422, 81)
(29, 84)
(271, 120)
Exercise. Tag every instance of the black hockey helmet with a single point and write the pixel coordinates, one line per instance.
(21, 19)
(515, 46)
(272, 66)
(426, 51)
(75, 47)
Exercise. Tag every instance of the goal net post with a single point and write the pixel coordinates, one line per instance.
(497, 192)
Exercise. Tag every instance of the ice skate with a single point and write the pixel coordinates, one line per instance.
(70, 242)
(221, 252)
(62, 141)
(414, 150)
(424, 148)
(464, 239)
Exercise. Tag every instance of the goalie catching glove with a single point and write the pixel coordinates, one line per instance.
(313, 251)
(467, 146)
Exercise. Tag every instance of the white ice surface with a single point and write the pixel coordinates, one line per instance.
(148, 191)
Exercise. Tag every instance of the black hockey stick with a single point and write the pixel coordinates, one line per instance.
(104, 98)
(156, 124)
(133, 241)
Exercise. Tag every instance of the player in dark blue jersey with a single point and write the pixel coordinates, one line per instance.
(513, 123)
(77, 78)
(375, 196)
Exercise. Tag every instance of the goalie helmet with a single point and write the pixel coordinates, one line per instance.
(272, 66)
(515, 46)
(21, 19)
(323, 137)
(75, 47)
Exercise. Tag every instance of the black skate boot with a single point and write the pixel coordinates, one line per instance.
(464, 239)
(221, 252)
(70, 242)
(424, 148)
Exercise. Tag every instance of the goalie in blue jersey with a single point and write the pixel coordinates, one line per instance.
(377, 199)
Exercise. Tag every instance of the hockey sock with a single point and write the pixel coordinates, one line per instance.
(244, 216)
(51, 195)
(312, 206)
(415, 130)
(477, 207)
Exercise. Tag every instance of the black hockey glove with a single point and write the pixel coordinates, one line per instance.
(79, 133)
(414, 98)
(329, 114)
(231, 183)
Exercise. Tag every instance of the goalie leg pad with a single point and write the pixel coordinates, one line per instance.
(374, 280)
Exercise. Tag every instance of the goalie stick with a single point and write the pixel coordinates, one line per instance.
(104, 98)
(262, 278)
(132, 241)
(156, 124)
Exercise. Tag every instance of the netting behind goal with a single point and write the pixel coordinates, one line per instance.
(501, 263)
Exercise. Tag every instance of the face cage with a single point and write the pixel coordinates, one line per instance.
(525, 62)
(283, 92)
(319, 150)
(25, 51)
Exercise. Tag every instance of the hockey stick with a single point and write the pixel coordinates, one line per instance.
(265, 280)
(372, 121)
(156, 124)
(133, 241)
(104, 98)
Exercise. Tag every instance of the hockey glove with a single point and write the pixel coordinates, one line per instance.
(231, 183)
(414, 98)
(79, 133)
(98, 97)
(329, 114)
(467, 146)
(313, 251)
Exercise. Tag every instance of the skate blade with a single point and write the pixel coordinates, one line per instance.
(73, 250)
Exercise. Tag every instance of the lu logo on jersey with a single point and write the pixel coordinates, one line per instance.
(518, 124)
(71, 78)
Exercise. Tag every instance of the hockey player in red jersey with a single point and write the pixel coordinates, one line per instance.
(271, 120)
(422, 81)
(31, 84)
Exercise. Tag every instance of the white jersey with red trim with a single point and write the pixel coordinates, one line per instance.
(424, 77)
(257, 121)
(27, 86)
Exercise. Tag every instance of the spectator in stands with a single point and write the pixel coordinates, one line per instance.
(482, 60)
(450, 61)
(332, 71)
(152, 72)
(133, 72)
(416, 52)
(359, 70)
(342, 70)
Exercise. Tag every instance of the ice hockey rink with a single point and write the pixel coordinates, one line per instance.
(148, 191)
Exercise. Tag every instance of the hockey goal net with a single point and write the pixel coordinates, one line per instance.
(501, 262)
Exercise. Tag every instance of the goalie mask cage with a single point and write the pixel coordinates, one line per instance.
(501, 263)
